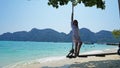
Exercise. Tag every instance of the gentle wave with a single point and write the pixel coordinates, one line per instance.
(93, 52)
(49, 59)
(100, 51)
(42, 60)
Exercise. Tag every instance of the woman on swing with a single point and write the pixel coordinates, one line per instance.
(75, 36)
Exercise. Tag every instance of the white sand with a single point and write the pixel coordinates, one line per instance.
(110, 61)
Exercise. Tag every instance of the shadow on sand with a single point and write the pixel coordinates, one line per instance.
(92, 64)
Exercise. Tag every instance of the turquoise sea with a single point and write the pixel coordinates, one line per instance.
(12, 52)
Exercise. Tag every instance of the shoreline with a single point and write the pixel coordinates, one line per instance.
(63, 62)
(109, 61)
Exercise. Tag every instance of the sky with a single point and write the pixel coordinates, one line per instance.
(23, 15)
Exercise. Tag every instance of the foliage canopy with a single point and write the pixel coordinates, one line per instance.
(87, 3)
(116, 33)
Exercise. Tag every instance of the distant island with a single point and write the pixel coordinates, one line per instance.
(50, 35)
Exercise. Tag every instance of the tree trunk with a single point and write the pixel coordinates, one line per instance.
(72, 14)
(119, 7)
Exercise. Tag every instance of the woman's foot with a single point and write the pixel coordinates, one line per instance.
(75, 55)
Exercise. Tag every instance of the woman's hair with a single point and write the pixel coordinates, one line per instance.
(75, 22)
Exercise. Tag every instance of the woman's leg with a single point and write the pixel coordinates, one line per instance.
(78, 48)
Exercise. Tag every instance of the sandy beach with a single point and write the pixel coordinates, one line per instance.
(109, 61)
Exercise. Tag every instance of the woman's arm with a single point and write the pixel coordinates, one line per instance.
(72, 17)
(72, 14)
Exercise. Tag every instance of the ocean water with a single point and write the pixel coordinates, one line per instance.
(15, 52)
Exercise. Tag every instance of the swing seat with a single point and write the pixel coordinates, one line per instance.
(98, 55)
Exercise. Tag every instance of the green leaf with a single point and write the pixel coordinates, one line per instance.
(116, 33)
(87, 3)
